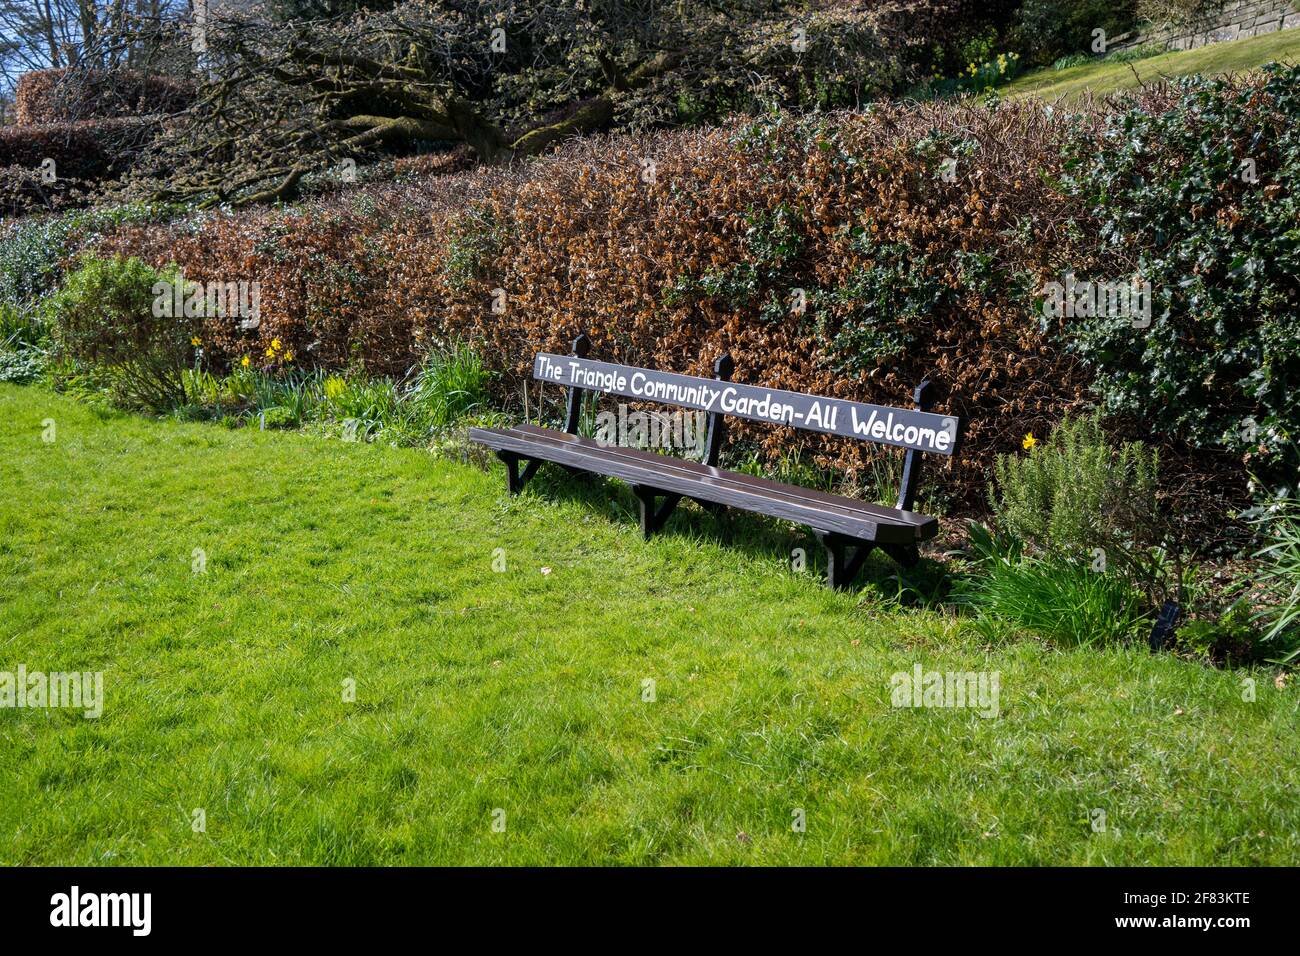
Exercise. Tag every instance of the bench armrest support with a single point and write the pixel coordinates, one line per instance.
(716, 436)
(923, 396)
(581, 346)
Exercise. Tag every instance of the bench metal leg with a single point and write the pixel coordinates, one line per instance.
(515, 480)
(844, 557)
(654, 516)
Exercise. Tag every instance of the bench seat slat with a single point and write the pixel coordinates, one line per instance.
(817, 509)
(814, 497)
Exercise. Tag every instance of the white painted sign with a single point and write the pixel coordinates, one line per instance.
(904, 427)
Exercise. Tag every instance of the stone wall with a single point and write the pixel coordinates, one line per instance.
(1238, 19)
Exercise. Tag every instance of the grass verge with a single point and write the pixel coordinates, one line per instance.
(524, 690)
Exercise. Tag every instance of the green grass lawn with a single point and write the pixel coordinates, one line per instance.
(1101, 78)
(522, 690)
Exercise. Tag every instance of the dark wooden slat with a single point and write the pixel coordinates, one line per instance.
(712, 484)
(700, 488)
(866, 509)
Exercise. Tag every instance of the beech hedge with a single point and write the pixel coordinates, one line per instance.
(848, 254)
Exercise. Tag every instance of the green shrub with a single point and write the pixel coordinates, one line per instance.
(20, 367)
(1232, 638)
(872, 316)
(30, 257)
(1074, 493)
(364, 406)
(771, 245)
(474, 238)
(104, 317)
(1063, 601)
(32, 251)
(1219, 242)
(1048, 29)
(280, 416)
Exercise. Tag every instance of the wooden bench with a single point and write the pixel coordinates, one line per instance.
(847, 528)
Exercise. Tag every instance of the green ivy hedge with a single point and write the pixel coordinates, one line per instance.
(1201, 201)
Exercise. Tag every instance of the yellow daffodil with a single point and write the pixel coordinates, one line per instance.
(195, 342)
(288, 356)
(1029, 442)
(275, 344)
(244, 361)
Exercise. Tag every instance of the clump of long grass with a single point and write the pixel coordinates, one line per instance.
(1281, 575)
(1062, 600)
(450, 385)
(447, 387)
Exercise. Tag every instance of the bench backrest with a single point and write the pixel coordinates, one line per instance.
(916, 429)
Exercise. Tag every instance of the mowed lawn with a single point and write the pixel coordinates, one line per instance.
(1100, 78)
(517, 697)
